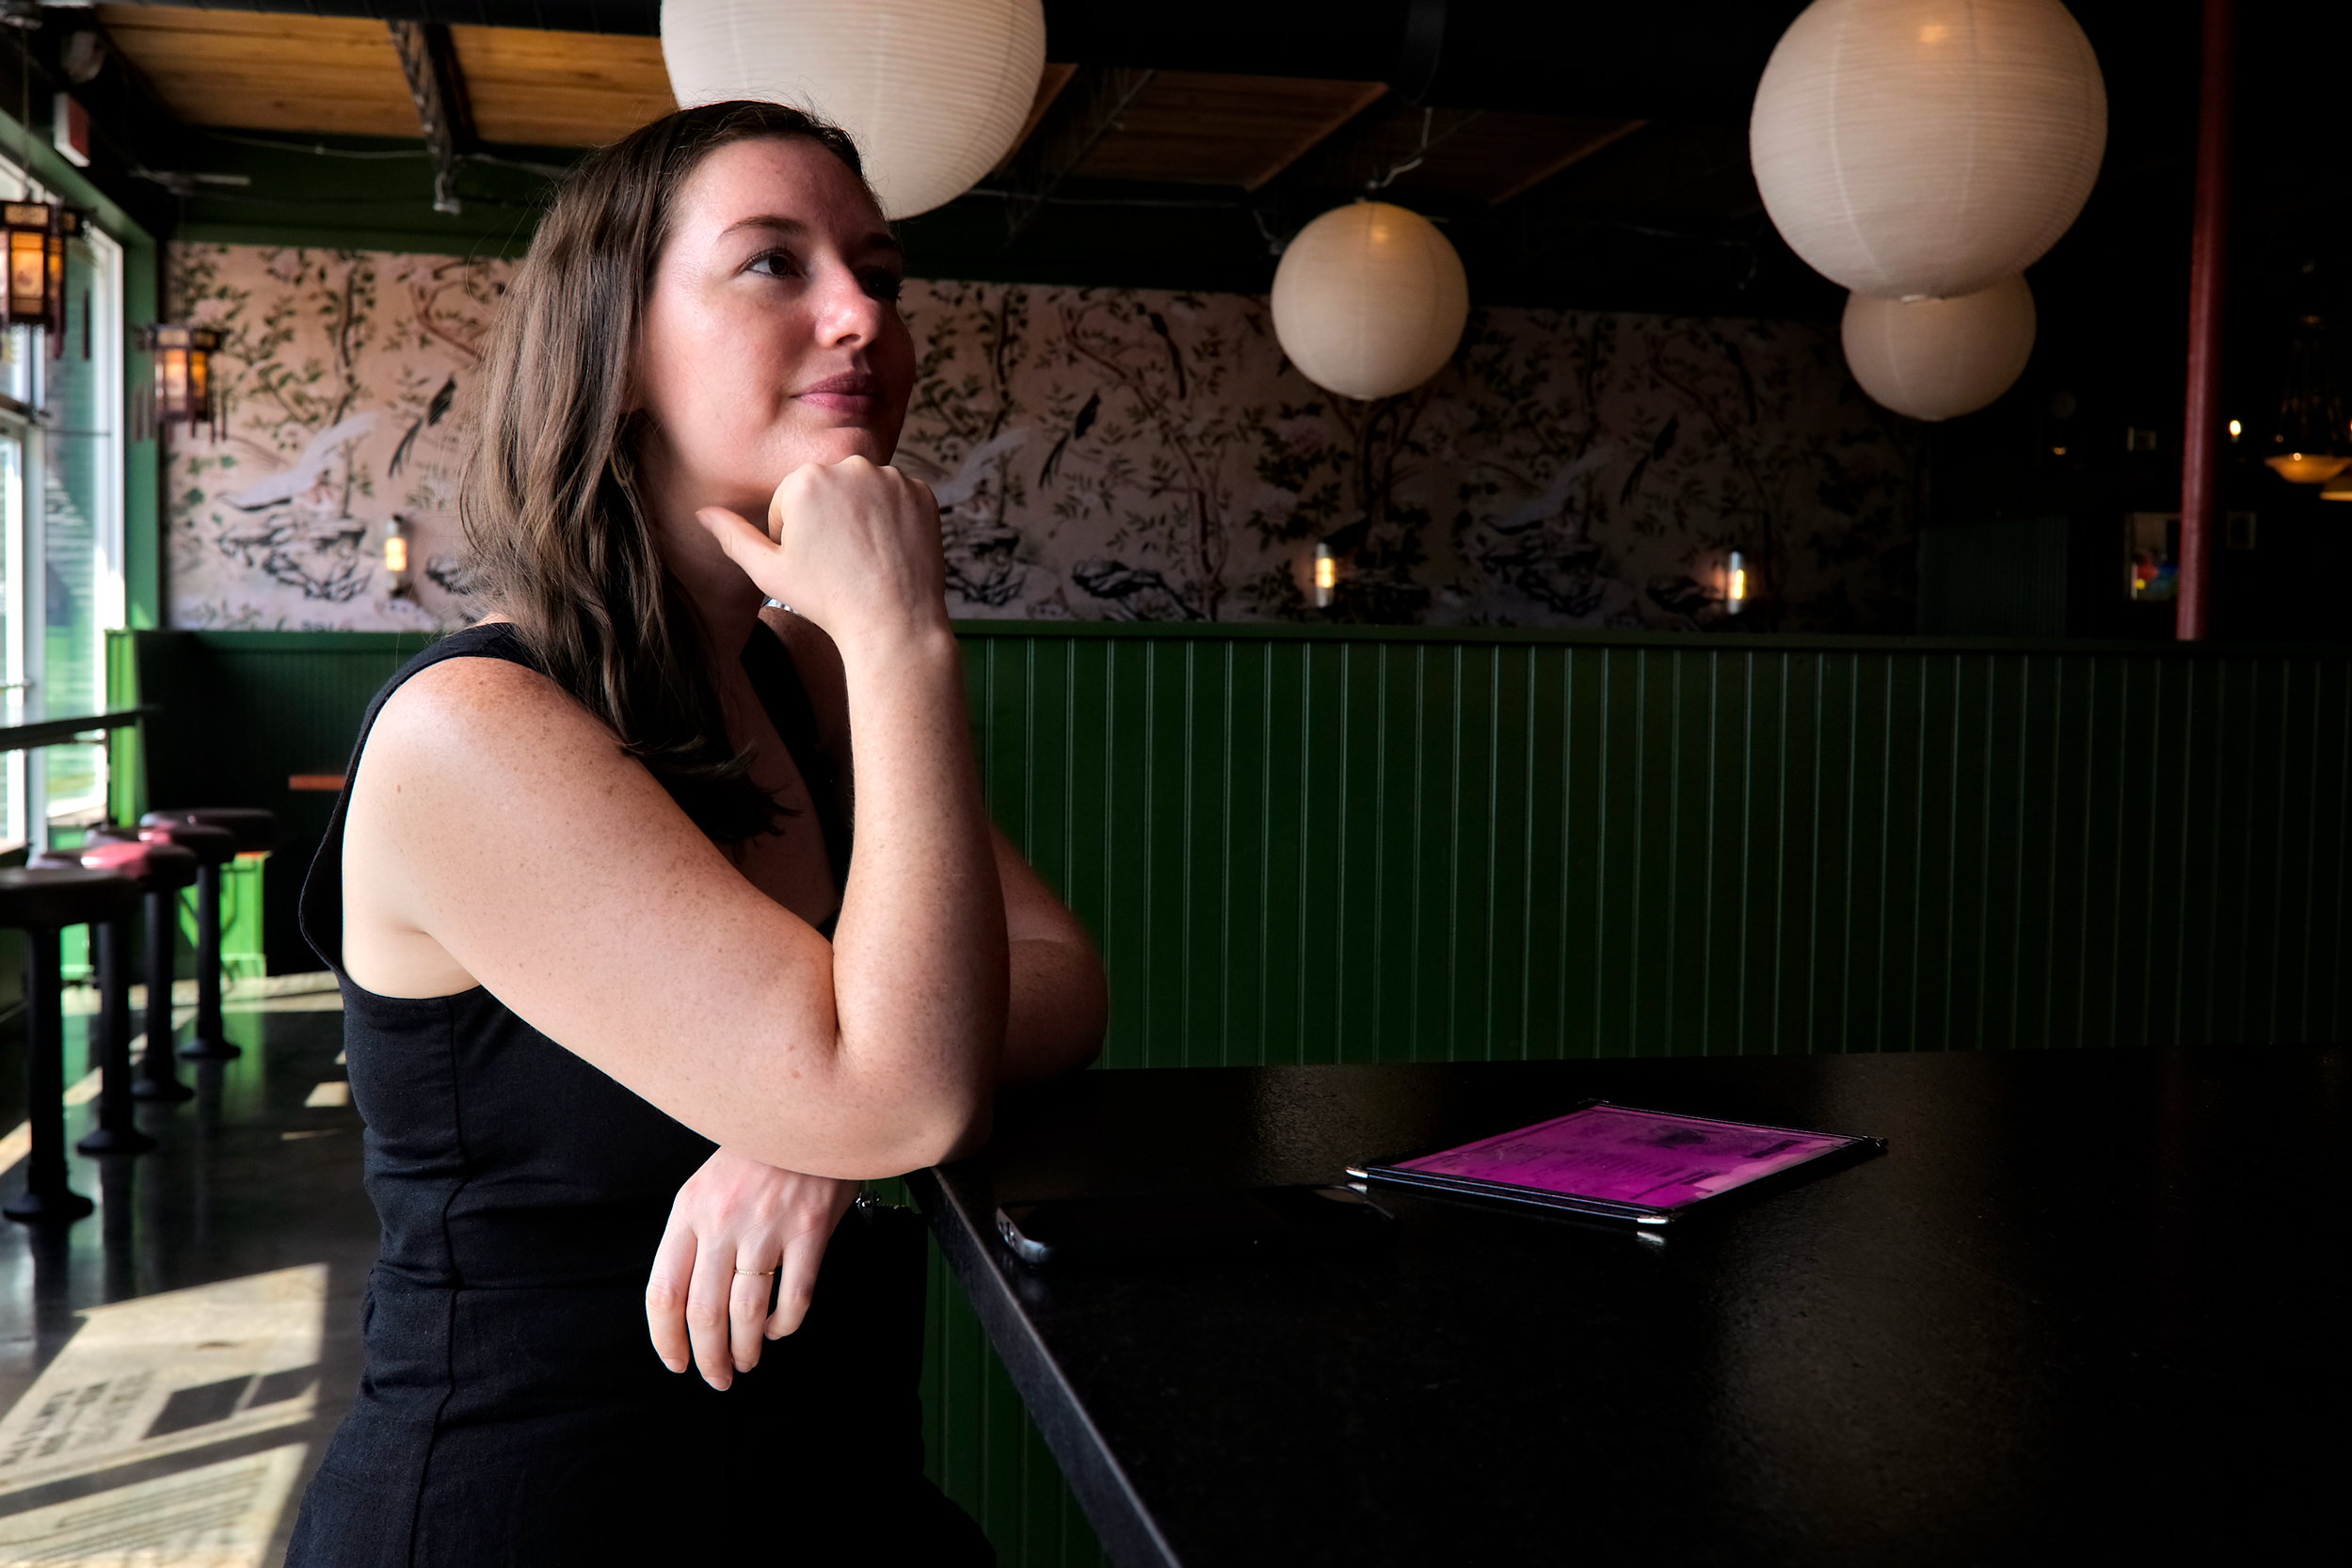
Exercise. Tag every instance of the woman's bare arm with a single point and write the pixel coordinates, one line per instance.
(1060, 1001)
(494, 820)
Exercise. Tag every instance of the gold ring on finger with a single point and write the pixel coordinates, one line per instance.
(760, 1274)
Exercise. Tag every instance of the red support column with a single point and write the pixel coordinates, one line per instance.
(2208, 277)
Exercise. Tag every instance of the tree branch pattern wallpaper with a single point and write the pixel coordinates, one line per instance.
(1111, 453)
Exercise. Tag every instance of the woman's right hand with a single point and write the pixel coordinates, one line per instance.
(853, 546)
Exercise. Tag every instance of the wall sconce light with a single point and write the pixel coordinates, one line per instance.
(34, 233)
(184, 374)
(1738, 587)
(397, 554)
(1326, 580)
(2236, 429)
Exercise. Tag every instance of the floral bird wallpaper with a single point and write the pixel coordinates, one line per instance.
(1111, 453)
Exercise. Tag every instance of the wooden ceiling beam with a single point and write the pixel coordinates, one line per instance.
(1342, 115)
(1089, 109)
(1049, 88)
(1566, 159)
(438, 88)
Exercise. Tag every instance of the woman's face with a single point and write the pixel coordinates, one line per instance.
(771, 337)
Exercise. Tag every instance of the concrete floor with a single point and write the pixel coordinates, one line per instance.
(172, 1367)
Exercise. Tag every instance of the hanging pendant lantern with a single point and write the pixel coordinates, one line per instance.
(1939, 359)
(2310, 444)
(184, 374)
(1928, 147)
(34, 233)
(933, 91)
(1369, 300)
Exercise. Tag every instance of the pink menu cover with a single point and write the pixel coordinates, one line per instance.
(1619, 1155)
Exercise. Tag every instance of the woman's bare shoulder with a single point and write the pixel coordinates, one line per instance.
(487, 708)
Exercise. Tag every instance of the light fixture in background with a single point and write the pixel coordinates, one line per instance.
(184, 392)
(1928, 147)
(1738, 587)
(1939, 359)
(2338, 489)
(396, 553)
(933, 91)
(2309, 445)
(34, 233)
(2236, 429)
(1325, 579)
(1369, 300)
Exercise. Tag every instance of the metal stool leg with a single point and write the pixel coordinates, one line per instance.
(118, 1129)
(48, 1197)
(159, 1079)
(211, 1042)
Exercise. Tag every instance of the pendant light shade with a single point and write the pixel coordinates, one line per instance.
(933, 91)
(2311, 441)
(1369, 300)
(1928, 147)
(1939, 359)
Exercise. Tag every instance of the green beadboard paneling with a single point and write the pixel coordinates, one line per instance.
(1322, 844)
(1296, 850)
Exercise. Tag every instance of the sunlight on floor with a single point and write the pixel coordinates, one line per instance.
(213, 1516)
(167, 1373)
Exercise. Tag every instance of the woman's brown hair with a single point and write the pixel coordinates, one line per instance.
(559, 536)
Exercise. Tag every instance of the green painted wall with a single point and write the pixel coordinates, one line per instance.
(1299, 845)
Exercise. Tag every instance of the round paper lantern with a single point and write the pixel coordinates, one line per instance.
(934, 91)
(1939, 359)
(1928, 147)
(1369, 300)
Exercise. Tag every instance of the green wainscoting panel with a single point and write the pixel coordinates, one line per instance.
(1328, 844)
(238, 714)
(1305, 849)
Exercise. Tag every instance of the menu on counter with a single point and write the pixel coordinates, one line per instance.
(1615, 1161)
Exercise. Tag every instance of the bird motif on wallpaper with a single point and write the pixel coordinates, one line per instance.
(434, 411)
(1077, 432)
(279, 489)
(972, 472)
(1659, 448)
(1176, 360)
(1553, 499)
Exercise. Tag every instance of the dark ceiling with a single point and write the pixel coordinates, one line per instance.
(1578, 155)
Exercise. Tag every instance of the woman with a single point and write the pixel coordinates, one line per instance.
(580, 887)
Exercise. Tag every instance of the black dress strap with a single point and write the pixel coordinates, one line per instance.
(785, 695)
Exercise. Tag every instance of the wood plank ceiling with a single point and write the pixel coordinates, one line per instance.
(294, 73)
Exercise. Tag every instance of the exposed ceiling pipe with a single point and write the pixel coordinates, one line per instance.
(1661, 59)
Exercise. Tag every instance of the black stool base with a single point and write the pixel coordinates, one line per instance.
(116, 1139)
(211, 1050)
(165, 1089)
(47, 1208)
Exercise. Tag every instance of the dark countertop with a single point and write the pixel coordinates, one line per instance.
(2088, 1303)
(27, 724)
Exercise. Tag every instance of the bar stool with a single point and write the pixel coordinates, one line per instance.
(158, 1077)
(252, 829)
(41, 903)
(153, 869)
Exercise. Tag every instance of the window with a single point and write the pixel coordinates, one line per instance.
(61, 582)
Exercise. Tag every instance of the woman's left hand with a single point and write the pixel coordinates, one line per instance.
(736, 1228)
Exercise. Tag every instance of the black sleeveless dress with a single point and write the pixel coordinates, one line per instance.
(513, 1412)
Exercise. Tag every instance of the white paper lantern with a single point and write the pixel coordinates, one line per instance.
(1939, 359)
(1913, 148)
(1369, 300)
(933, 90)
